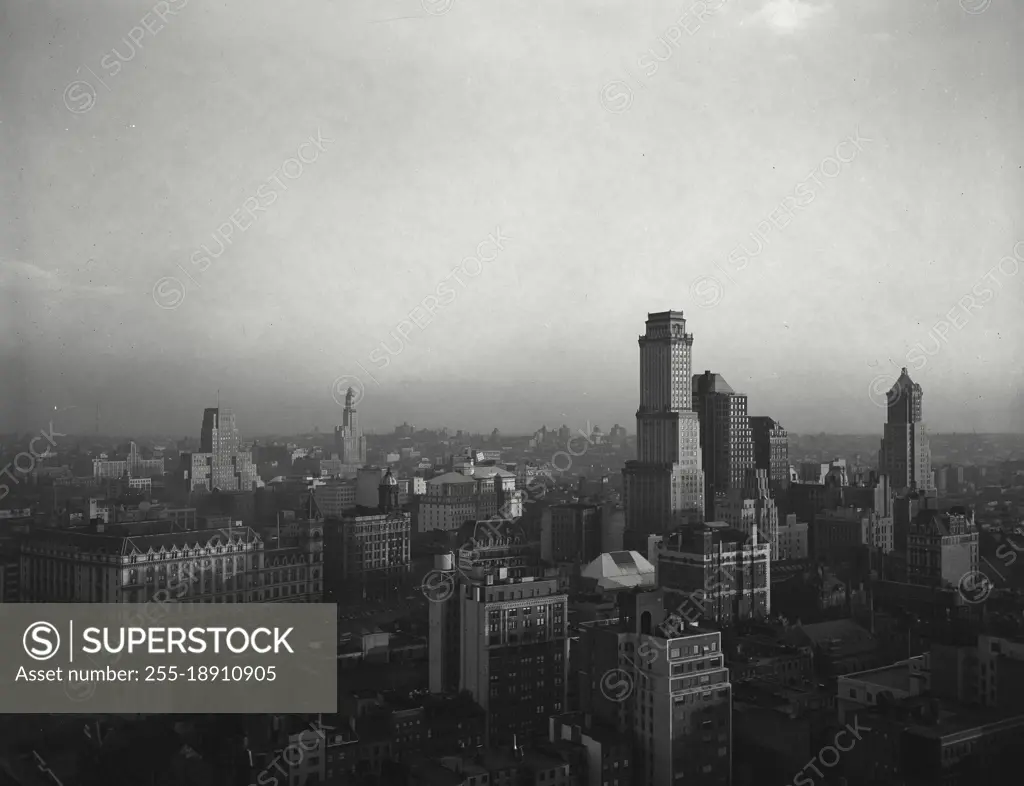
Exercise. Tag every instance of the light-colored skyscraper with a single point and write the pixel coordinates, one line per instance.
(905, 455)
(664, 487)
(219, 464)
(349, 442)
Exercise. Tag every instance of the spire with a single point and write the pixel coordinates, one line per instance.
(350, 398)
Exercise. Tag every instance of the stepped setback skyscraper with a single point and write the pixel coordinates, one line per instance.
(664, 487)
(905, 455)
(349, 442)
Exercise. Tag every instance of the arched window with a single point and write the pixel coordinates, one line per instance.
(645, 623)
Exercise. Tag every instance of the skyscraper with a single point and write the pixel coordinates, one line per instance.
(349, 442)
(664, 487)
(905, 455)
(219, 464)
(725, 437)
(771, 450)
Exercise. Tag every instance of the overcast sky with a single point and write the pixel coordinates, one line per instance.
(623, 153)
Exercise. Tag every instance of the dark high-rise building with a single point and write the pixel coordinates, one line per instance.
(725, 436)
(664, 487)
(572, 533)
(905, 455)
(771, 450)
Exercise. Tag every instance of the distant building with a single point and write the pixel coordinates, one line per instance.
(571, 532)
(335, 498)
(841, 534)
(131, 563)
(368, 550)
(942, 547)
(771, 450)
(349, 442)
(454, 498)
(792, 542)
(220, 463)
(134, 466)
(725, 437)
(905, 455)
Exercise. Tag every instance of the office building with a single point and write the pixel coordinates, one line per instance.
(571, 533)
(220, 462)
(664, 487)
(723, 575)
(942, 547)
(665, 688)
(751, 509)
(771, 450)
(452, 499)
(368, 550)
(134, 466)
(844, 533)
(905, 455)
(131, 563)
(349, 442)
(725, 437)
(335, 498)
(514, 651)
(792, 542)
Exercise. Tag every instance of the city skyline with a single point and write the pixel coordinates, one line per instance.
(412, 170)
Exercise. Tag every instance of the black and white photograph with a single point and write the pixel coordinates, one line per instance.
(630, 392)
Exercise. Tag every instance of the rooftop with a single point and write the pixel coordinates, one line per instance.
(894, 677)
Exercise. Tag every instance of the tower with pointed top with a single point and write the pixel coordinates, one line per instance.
(905, 455)
(349, 442)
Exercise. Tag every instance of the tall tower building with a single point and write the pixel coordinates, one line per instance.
(905, 455)
(664, 487)
(725, 437)
(219, 464)
(349, 442)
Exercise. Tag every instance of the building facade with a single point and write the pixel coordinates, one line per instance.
(220, 463)
(349, 442)
(905, 455)
(725, 437)
(571, 532)
(368, 550)
(130, 565)
(669, 693)
(771, 450)
(717, 571)
(664, 487)
(751, 509)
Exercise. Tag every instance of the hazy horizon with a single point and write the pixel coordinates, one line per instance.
(603, 163)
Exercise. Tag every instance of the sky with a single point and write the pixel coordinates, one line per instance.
(465, 209)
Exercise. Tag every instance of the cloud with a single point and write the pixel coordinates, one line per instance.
(788, 16)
